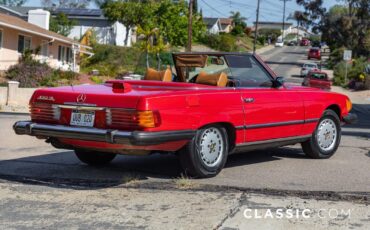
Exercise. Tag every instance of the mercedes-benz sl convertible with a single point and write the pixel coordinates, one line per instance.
(203, 108)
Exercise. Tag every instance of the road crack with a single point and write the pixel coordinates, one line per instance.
(233, 210)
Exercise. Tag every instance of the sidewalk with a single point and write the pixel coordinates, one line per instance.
(357, 97)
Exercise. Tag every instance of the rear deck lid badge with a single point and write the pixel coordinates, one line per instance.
(45, 98)
(81, 98)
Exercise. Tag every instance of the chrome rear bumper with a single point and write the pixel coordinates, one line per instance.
(140, 138)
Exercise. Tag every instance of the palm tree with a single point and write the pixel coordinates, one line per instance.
(238, 19)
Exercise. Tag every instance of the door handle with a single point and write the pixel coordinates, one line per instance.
(248, 99)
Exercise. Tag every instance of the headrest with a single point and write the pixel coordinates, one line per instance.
(154, 75)
(216, 79)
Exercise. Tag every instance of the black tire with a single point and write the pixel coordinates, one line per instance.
(312, 146)
(191, 158)
(94, 158)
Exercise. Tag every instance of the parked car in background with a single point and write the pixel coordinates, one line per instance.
(314, 53)
(307, 67)
(317, 79)
(218, 104)
(292, 43)
(304, 42)
(279, 43)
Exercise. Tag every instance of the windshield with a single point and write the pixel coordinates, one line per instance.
(240, 70)
(310, 65)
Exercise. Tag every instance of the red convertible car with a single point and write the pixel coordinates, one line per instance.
(207, 106)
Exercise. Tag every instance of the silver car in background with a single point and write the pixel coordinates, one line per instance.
(307, 67)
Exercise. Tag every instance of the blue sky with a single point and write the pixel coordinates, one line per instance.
(271, 10)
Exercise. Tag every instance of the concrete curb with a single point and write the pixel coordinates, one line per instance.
(264, 49)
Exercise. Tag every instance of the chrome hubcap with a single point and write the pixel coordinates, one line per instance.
(327, 134)
(211, 147)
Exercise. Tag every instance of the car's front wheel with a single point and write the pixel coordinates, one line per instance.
(325, 139)
(206, 154)
(94, 158)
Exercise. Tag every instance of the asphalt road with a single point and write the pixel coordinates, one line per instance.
(277, 169)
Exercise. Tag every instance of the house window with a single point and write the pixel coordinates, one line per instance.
(65, 54)
(44, 50)
(1, 39)
(24, 43)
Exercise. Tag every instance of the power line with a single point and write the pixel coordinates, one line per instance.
(214, 9)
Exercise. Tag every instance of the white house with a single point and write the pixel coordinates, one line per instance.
(275, 25)
(106, 32)
(301, 31)
(213, 25)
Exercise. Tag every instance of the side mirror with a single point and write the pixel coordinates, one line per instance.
(279, 81)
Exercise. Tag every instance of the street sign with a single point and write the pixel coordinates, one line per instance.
(347, 55)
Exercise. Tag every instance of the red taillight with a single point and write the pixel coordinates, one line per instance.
(132, 119)
(44, 112)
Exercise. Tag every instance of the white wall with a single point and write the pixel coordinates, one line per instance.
(215, 29)
(113, 35)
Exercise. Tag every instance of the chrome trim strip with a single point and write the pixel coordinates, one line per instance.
(81, 107)
(274, 124)
(312, 120)
(273, 140)
(80, 104)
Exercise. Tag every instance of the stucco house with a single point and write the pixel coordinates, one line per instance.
(17, 35)
(301, 31)
(213, 25)
(226, 25)
(106, 32)
(275, 25)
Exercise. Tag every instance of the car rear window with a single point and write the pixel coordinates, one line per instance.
(320, 76)
(310, 65)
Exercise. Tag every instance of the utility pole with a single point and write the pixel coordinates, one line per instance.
(190, 25)
(256, 27)
(284, 18)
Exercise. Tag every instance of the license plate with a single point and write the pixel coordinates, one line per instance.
(82, 118)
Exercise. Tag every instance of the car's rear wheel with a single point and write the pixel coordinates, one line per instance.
(94, 158)
(206, 154)
(325, 139)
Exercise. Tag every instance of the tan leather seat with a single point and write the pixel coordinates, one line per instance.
(154, 75)
(216, 79)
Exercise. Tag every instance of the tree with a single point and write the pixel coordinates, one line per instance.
(129, 14)
(99, 3)
(195, 6)
(66, 3)
(61, 24)
(12, 2)
(238, 19)
(170, 18)
(343, 25)
(239, 23)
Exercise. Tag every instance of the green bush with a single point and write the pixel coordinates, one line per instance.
(336, 56)
(32, 73)
(354, 70)
(261, 40)
(29, 73)
(273, 34)
(222, 42)
(113, 61)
